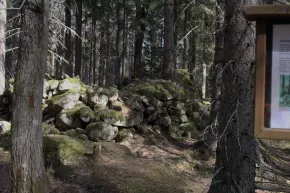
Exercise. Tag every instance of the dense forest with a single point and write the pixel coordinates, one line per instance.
(133, 96)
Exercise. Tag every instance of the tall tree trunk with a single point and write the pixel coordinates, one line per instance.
(139, 38)
(168, 50)
(120, 42)
(3, 17)
(235, 161)
(11, 42)
(68, 38)
(93, 62)
(78, 40)
(27, 156)
(186, 29)
(105, 44)
(192, 54)
(215, 71)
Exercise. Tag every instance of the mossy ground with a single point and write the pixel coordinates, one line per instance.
(62, 150)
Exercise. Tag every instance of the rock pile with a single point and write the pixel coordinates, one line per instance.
(106, 114)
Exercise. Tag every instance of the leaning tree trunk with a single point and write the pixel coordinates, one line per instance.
(168, 50)
(235, 161)
(27, 156)
(3, 16)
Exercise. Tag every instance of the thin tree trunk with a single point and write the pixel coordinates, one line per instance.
(236, 157)
(139, 38)
(168, 50)
(120, 43)
(78, 40)
(192, 54)
(3, 17)
(68, 39)
(215, 71)
(27, 157)
(186, 25)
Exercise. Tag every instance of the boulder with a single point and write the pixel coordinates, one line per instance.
(66, 120)
(157, 129)
(102, 100)
(175, 132)
(149, 111)
(84, 98)
(74, 134)
(116, 105)
(189, 130)
(5, 126)
(125, 135)
(51, 85)
(86, 114)
(63, 150)
(135, 103)
(70, 84)
(101, 131)
(144, 128)
(175, 120)
(93, 98)
(130, 119)
(111, 116)
(156, 115)
(81, 131)
(164, 122)
(145, 101)
(113, 97)
(184, 118)
(65, 101)
(49, 129)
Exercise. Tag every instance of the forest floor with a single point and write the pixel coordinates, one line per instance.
(155, 164)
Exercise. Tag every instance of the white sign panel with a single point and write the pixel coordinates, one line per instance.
(280, 92)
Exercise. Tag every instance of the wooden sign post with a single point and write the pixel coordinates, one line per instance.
(272, 90)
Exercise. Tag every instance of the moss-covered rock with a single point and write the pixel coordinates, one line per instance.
(86, 114)
(52, 85)
(189, 130)
(70, 84)
(112, 116)
(49, 129)
(81, 131)
(116, 105)
(63, 150)
(101, 131)
(66, 120)
(64, 101)
(125, 135)
(74, 134)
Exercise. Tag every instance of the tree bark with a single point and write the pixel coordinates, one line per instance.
(235, 161)
(3, 17)
(168, 50)
(78, 40)
(215, 78)
(27, 156)
(139, 38)
(120, 43)
(68, 38)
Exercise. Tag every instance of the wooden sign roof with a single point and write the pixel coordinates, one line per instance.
(256, 12)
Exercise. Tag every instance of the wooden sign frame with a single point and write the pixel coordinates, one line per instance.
(265, 16)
